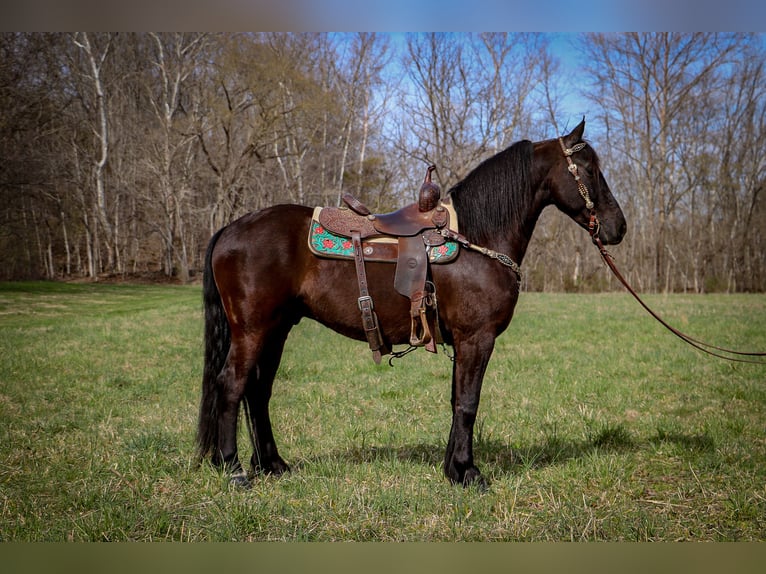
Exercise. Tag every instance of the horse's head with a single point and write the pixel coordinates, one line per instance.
(578, 188)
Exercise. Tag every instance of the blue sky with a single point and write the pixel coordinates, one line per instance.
(530, 16)
(574, 106)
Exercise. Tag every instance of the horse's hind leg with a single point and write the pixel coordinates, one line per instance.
(232, 382)
(265, 457)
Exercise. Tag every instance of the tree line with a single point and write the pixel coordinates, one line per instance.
(123, 152)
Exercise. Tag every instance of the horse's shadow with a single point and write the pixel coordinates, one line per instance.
(495, 456)
(502, 458)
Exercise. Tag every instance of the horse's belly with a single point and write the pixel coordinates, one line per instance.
(330, 294)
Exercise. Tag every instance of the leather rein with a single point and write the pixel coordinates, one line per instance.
(593, 229)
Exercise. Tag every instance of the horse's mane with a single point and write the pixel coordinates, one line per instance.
(494, 198)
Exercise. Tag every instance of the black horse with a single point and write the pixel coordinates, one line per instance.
(253, 294)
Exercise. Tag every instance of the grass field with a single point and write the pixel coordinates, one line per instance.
(595, 424)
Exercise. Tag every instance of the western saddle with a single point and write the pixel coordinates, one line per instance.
(415, 228)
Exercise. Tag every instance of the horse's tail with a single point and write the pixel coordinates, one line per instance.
(217, 342)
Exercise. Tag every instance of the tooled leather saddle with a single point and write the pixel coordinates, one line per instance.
(410, 237)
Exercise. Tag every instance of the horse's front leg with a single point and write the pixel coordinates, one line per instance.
(471, 359)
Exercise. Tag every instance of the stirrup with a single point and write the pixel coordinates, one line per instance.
(420, 337)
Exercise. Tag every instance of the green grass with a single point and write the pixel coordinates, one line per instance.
(595, 424)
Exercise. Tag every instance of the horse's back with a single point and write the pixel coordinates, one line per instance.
(264, 223)
(269, 233)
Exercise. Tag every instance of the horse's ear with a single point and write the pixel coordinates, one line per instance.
(576, 134)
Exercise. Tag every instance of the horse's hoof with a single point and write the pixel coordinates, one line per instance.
(472, 478)
(478, 482)
(239, 481)
(276, 467)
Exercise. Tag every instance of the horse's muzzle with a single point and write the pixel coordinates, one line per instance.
(612, 231)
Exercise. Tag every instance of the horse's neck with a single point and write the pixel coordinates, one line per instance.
(521, 236)
(516, 241)
(524, 235)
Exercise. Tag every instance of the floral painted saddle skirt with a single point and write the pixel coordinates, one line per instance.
(382, 248)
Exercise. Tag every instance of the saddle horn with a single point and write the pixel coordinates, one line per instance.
(430, 193)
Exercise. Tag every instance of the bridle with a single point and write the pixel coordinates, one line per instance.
(593, 225)
(593, 230)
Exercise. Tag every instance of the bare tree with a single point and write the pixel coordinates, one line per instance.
(470, 96)
(358, 76)
(174, 61)
(91, 71)
(736, 211)
(124, 152)
(652, 90)
(31, 209)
